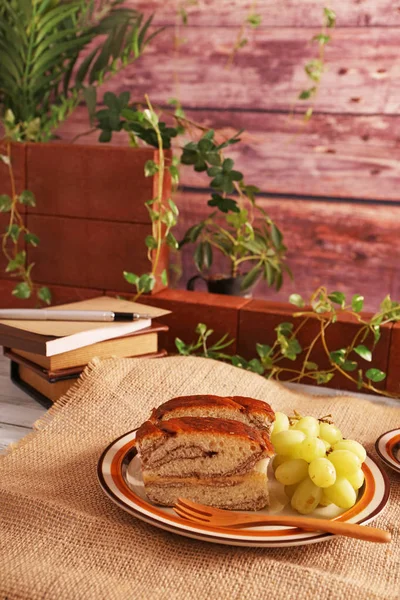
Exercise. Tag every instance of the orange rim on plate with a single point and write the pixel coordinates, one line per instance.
(388, 448)
(111, 473)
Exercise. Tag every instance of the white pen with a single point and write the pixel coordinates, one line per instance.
(42, 314)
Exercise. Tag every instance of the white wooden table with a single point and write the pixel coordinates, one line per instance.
(18, 411)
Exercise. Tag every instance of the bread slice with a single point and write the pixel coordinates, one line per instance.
(220, 462)
(250, 411)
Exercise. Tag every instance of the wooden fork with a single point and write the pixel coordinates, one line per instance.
(207, 515)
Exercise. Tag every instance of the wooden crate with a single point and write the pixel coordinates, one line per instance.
(90, 215)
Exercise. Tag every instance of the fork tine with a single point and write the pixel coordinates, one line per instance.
(188, 516)
(200, 509)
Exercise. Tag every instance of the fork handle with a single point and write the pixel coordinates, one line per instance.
(369, 534)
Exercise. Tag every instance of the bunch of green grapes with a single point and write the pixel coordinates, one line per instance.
(315, 464)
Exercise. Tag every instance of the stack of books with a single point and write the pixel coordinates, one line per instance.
(47, 357)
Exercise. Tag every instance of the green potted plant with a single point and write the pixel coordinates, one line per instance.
(253, 248)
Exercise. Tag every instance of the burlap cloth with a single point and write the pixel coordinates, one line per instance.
(62, 538)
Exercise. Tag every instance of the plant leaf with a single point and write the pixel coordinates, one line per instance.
(375, 375)
(44, 294)
(364, 352)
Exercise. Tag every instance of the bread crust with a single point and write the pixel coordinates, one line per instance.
(196, 425)
(243, 404)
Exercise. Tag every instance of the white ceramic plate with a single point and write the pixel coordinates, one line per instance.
(119, 476)
(388, 448)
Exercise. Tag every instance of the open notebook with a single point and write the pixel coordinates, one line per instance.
(53, 337)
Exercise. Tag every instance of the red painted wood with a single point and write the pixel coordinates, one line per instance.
(220, 313)
(89, 253)
(92, 182)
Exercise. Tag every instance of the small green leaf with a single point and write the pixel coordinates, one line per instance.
(150, 168)
(31, 238)
(349, 365)
(285, 329)
(297, 300)
(130, 277)
(337, 298)
(323, 377)
(5, 203)
(181, 347)
(357, 303)
(330, 18)
(146, 282)
(311, 366)
(251, 277)
(276, 236)
(16, 262)
(13, 231)
(164, 277)
(201, 328)
(254, 20)
(338, 356)
(199, 256)
(173, 207)
(255, 365)
(27, 197)
(22, 290)
(208, 255)
(171, 240)
(174, 172)
(375, 375)
(321, 38)
(151, 242)
(364, 352)
(44, 294)
(239, 362)
(263, 350)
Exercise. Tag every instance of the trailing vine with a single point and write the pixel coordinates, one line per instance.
(326, 308)
(17, 234)
(315, 68)
(251, 21)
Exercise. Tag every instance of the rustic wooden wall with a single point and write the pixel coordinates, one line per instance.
(332, 185)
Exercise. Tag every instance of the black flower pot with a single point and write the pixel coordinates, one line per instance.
(230, 286)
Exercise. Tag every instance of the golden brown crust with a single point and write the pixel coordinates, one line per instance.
(240, 403)
(203, 425)
(255, 406)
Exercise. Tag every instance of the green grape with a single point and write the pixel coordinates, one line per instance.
(356, 479)
(285, 442)
(279, 460)
(290, 490)
(327, 445)
(292, 471)
(341, 493)
(310, 449)
(345, 462)
(309, 425)
(306, 497)
(281, 422)
(322, 472)
(324, 501)
(352, 446)
(330, 433)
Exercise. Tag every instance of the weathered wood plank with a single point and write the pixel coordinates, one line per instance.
(332, 155)
(363, 74)
(9, 434)
(286, 13)
(348, 247)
